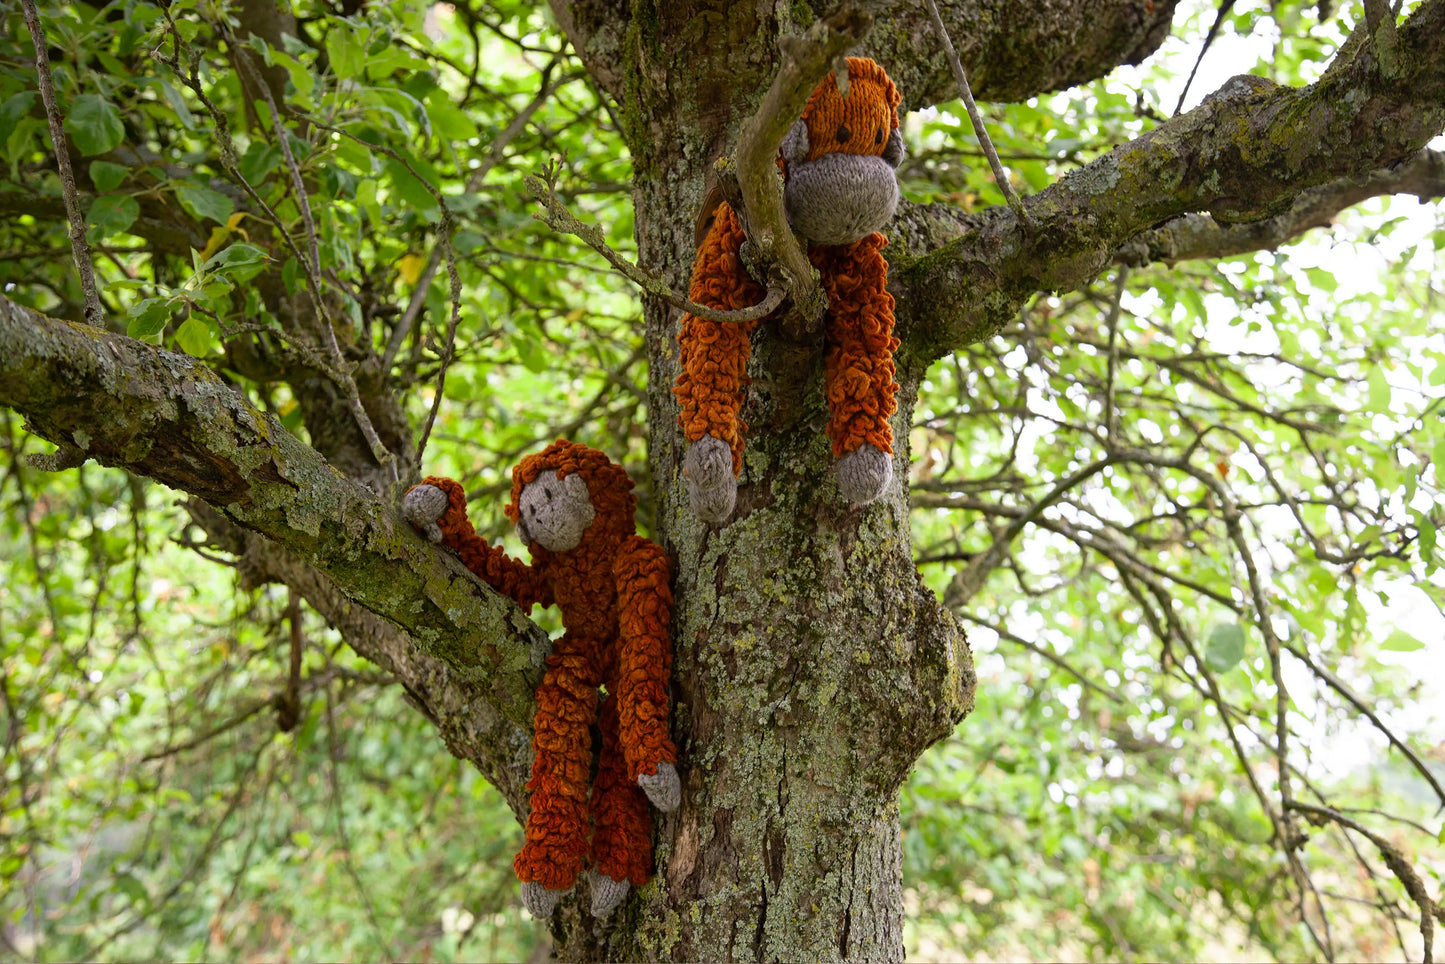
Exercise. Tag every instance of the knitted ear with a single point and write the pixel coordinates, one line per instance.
(577, 488)
(893, 150)
(795, 144)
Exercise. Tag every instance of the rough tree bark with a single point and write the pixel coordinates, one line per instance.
(812, 667)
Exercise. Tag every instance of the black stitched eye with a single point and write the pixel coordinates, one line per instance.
(548, 493)
(878, 138)
(843, 134)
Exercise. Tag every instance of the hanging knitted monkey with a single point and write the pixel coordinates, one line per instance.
(840, 189)
(574, 509)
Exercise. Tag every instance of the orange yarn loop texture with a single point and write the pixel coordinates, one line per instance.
(858, 371)
(616, 602)
(867, 115)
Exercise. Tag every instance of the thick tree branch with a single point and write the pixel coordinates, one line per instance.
(168, 417)
(1196, 236)
(1245, 155)
(1011, 50)
(458, 705)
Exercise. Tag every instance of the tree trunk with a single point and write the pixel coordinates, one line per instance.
(812, 666)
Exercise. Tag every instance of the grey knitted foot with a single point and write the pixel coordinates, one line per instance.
(864, 474)
(663, 788)
(539, 901)
(711, 486)
(607, 894)
(423, 506)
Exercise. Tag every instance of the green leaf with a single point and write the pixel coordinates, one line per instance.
(15, 107)
(107, 176)
(94, 124)
(1379, 390)
(148, 318)
(446, 120)
(1224, 647)
(411, 191)
(240, 253)
(131, 887)
(178, 104)
(1401, 642)
(202, 202)
(346, 52)
(194, 337)
(113, 213)
(260, 159)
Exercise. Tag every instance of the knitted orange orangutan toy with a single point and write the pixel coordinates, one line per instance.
(840, 188)
(574, 509)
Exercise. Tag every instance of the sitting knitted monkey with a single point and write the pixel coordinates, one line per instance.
(840, 188)
(574, 509)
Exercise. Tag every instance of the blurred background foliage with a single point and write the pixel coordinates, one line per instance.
(1104, 800)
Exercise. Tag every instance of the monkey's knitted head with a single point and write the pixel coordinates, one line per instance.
(839, 158)
(558, 492)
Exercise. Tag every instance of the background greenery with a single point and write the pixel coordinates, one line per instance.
(1094, 806)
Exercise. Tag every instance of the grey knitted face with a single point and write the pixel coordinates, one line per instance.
(839, 198)
(555, 512)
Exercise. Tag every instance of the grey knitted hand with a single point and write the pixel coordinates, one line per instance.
(663, 788)
(607, 894)
(864, 474)
(712, 489)
(539, 901)
(423, 506)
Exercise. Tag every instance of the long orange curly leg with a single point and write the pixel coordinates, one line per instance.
(859, 366)
(714, 369)
(622, 824)
(644, 605)
(557, 828)
(438, 508)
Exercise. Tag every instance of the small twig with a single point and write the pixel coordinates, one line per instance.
(445, 231)
(455, 280)
(345, 382)
(474, 184)
(806, 60)
(1224, 7)
(1110, 415)
(558, 218)
(1394, 859)
(1014, 202)
(79, 247)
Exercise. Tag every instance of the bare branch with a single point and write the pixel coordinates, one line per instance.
(79, 246)
(558, 218)
(1394, 859)
(980, 129)
(474, 184)
(170, 418)
(975, 284)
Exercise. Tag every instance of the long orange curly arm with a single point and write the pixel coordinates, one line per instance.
(715, 354)
(490, 564)
(644, 608)
(859, 364)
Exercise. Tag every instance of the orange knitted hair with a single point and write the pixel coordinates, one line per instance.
(612, 588)
(859, 366)
(869, 112)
